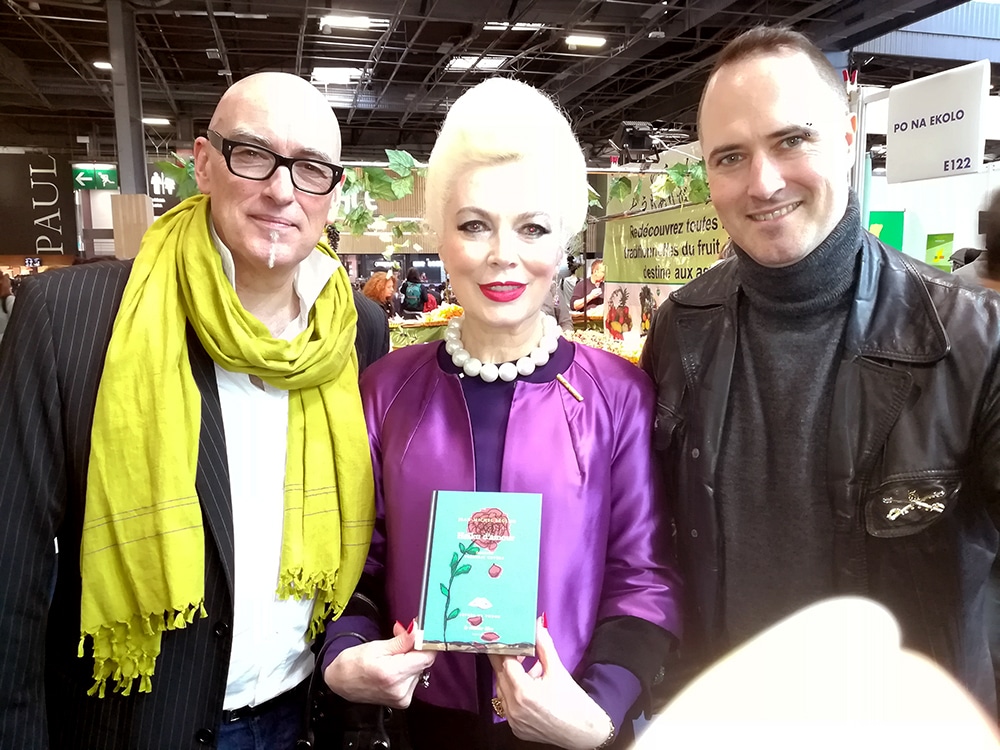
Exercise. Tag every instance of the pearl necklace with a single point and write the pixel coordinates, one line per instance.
(506, 371)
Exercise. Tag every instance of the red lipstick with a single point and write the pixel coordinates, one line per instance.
(502, 292)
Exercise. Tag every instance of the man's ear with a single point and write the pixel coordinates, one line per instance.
(202, 152)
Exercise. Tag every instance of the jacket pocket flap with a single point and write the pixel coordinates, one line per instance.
(905, 507)
(663, 430)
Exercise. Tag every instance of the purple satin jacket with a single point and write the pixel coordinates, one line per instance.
(605, 536)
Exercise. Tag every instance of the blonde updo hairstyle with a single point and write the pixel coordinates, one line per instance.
(500, 121)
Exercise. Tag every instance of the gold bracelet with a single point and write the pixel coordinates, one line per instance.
(611, 735)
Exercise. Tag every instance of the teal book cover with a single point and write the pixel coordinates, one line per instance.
(480, 591)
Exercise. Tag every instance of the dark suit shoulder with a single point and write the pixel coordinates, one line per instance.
(372, 341)
(80, 277)
(69, 291)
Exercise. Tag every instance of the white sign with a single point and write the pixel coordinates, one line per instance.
(162, 191)
(937, 124)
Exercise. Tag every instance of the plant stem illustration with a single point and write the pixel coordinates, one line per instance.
(457, 569)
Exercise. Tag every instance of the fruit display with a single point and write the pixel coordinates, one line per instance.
(648, 305)
(444, 313)
(618, 319)
(629, 350)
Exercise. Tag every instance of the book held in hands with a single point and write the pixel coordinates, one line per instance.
(480, 586)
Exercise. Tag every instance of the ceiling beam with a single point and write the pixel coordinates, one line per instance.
(219, 43)
(399, 62)
(13, 69)
(301, 41)
(694, 72)
(686, 71)
(66, 52)
(149, 59)
(375, 57)
(874, 19)
(671, 108)
(584, 76)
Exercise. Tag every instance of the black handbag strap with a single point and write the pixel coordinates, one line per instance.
(316, 683)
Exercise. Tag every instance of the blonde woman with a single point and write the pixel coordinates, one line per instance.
(506, 404)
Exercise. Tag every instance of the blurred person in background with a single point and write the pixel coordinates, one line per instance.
(985, 269)
(413, 295)
(381, 289)
(589, 292)
(567, 276)
(555, 307)
(6, 301)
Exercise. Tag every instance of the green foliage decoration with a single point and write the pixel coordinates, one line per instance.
(389, 183)
(684, 182)
(181, 170)
(593, 197)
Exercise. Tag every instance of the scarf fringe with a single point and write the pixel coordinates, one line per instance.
(293, 584)
(126, 651)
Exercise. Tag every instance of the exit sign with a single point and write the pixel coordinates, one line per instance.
(95, 177)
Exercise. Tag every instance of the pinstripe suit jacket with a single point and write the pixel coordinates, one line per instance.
(51, 360)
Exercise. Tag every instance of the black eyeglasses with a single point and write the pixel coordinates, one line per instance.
(253, 162)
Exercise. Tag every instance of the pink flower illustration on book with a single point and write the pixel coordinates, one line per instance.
(487, 527)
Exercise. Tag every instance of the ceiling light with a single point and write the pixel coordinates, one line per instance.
(576, 40)
(468, 62)
(326, 23)
(503, 26)
(155, 121)
(327, 75)
(102, 65)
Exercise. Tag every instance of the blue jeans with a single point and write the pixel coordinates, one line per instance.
(275, 729)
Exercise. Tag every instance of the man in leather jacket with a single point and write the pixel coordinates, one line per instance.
(828, 414)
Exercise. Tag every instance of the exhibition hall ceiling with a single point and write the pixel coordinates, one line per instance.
(391, 82)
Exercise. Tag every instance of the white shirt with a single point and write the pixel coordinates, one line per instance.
(270, 653)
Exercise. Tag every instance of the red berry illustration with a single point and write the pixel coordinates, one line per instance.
(490, 637)
(475, 620)
(495, 571)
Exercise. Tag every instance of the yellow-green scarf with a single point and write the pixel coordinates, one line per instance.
(142, 557)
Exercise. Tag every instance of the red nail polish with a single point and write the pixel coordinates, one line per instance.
(545, 621)
(412, 623)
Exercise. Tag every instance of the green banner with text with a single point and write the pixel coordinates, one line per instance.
(646, 255)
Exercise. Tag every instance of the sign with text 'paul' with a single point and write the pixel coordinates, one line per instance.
(37, 210)
(936, 126)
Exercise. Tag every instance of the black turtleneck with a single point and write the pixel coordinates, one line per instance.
(777, 523)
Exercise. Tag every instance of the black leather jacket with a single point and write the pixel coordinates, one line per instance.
(914, 466)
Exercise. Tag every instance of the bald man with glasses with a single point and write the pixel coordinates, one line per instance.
(186, 456)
